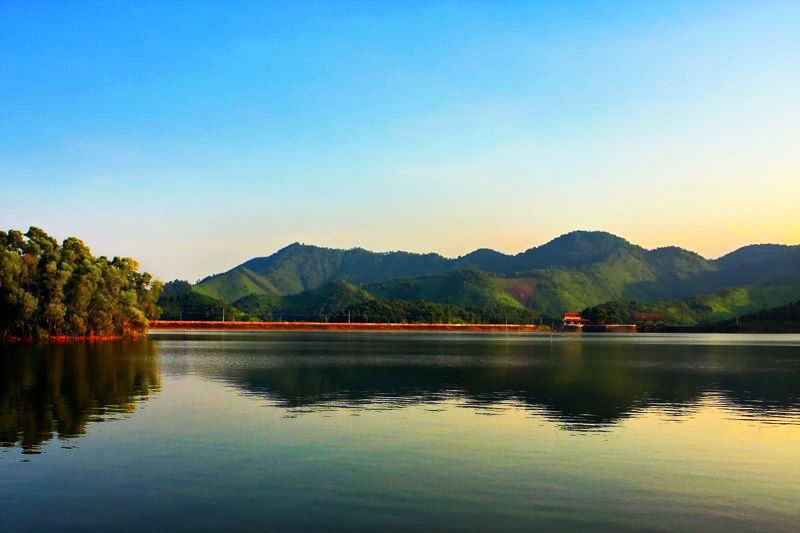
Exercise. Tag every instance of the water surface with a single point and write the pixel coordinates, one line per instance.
(395, 431)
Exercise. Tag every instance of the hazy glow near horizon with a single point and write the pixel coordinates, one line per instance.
(193, 136)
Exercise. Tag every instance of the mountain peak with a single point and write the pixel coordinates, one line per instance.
(296, 246)
(576, 269)
(576, 248)
(589, 237)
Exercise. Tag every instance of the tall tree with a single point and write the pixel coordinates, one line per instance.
(47, 289)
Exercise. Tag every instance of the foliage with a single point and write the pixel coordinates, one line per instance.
(784, 319)
(422, 312)
(47, 289)
(299, 267)
(259, 306)
(616, 312)
(235, 285)
(467, 288)
(325, 302)
(318, 304)
(704, 309)
(341, 301)
(574, 271)
(179, 301)
(729, 303)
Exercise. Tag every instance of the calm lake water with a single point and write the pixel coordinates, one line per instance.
(399, 431)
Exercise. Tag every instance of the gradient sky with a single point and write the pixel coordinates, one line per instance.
(192, 136)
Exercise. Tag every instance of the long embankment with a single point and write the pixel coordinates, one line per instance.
(164, 325)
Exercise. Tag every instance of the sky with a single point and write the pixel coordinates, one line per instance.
(192, 136)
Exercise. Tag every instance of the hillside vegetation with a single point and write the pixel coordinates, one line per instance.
(783, 319)
(572, 272)
(469, 288)
(340, 301)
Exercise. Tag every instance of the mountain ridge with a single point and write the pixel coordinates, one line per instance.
(572, 271)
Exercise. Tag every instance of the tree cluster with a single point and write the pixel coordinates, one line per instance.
(335, 302)
(49, 290)
(422, 312)
(179, 301)
(615, 312)
(784, 319)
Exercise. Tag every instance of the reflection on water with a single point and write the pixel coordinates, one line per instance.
(59, 388)
(582, 385)
(384, 431)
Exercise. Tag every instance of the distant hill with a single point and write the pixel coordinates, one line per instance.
(470, 288)
(328, 300)
(300, 267)
(572, 272)
(783, 319)
(180, 301)
(704, 309)
(414, 300)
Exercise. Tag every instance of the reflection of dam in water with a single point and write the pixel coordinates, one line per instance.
(49, 390)
(579, 384)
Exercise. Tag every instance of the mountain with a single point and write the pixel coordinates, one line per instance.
(573, 250)
(329, 299)
(300, 267)
(571, 272)
(783, 319)
(180, 301)
(235, 284)
(706, 309)
(760, 263)
(470, 288)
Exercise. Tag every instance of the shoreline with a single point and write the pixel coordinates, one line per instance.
(183, 325)
(63, 339)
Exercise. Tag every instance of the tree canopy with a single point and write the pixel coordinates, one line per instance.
(49, 289)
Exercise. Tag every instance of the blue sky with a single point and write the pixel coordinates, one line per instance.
(195, 135)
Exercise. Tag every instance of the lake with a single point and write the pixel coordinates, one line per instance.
(400, 431)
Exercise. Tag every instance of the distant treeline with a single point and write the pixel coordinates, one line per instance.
(335, 302)
(179, 302)
(783, 319)
(421, 312)
(692, 312)
(49, 289)
(619, 311)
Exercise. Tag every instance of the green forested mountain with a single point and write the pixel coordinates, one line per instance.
(572, 272)
(180, 301)
(783, 319)
(299, 267)
(461, 296)
(470, 288)
(323, 302)
(701, 309)
(235, 284)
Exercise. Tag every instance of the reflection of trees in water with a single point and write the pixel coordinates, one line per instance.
(578, 384)
(59, 388)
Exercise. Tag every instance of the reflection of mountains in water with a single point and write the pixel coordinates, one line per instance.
(579, 384)
(47, 389)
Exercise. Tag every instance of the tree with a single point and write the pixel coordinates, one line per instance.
(47, 289)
